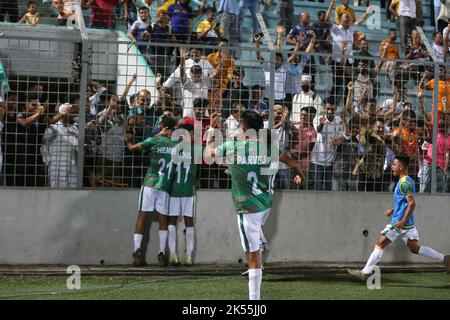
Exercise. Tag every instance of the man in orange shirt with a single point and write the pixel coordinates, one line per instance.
(223, 63)
(406, 139)
(344, 8)
(443, 92)
(389, 50)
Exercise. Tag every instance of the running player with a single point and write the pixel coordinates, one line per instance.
(157, 185)
(251, 190)
(182, 198)
(402, 223)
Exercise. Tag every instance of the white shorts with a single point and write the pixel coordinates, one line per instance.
(182, 206)
(151, 200)
(249, 229)
(406, 234)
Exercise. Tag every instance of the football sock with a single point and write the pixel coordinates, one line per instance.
(172, 239)
(162, 240)
(137, 241)
(374, 258)
(189, 241)
(254, 283)
(430, 253)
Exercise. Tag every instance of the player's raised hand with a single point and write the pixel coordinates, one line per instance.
(389, 212)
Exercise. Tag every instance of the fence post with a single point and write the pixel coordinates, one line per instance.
(435, 127)
(85, 56)
(271, 89)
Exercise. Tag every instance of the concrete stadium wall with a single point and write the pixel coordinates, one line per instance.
(88, 226)
(47, 51)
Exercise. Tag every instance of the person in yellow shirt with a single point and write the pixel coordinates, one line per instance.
(32, 16)
(165, 6)
(344, 8)
(223, 63)
(209, 28)
(394, 9)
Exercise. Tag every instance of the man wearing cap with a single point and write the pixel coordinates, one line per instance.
(59, 148)
(305, 98)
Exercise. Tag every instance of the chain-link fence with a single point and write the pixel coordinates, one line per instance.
(343, 116)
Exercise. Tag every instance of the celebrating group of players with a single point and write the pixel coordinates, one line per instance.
(169, 190)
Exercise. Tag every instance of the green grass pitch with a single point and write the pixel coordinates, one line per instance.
(393, 286)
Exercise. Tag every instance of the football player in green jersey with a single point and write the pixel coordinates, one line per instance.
(252, 175)
(157, 185)
(182, 198)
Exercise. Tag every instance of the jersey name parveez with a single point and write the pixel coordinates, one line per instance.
(251, 184)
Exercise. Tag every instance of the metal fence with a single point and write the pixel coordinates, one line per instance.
(70, 100)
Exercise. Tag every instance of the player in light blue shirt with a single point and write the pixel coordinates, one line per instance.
(402, 223)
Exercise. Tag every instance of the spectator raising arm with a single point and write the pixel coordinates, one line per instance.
(25, 122)
(364, 17)
(257, 38)
(183, 55)
(201, 9)
(330, 9)
(128, 87)
(280, 30)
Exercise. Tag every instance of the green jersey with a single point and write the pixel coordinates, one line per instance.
(185, 173)
(160, 171)
(251, 186)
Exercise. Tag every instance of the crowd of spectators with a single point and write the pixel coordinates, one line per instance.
(345, 141)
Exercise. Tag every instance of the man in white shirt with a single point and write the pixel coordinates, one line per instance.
(407, 20)
(329, 129)
(342, 35)
(305, 98)
(59, 149)
(196, 86)
(195, 59)
(280, 72)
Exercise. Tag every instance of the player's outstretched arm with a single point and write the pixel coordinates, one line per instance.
(295, 166)
(133, 147)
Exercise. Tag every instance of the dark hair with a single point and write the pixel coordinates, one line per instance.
(168, 109)
(309, 110)
(404, 159)
(320, 12)
(435, 34)
(196, 69)
(132, 98)
(32, 96)
(240, 71)
(392, 29)
(257, 87)
(409, 114)
(168, 122)
(187, 127)
(252, 120)
(201, 103)
(210, 10)
(71, 98)
(279, 55)
(177, 110)
(143, 8)
(29, 3)
(223, 39)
